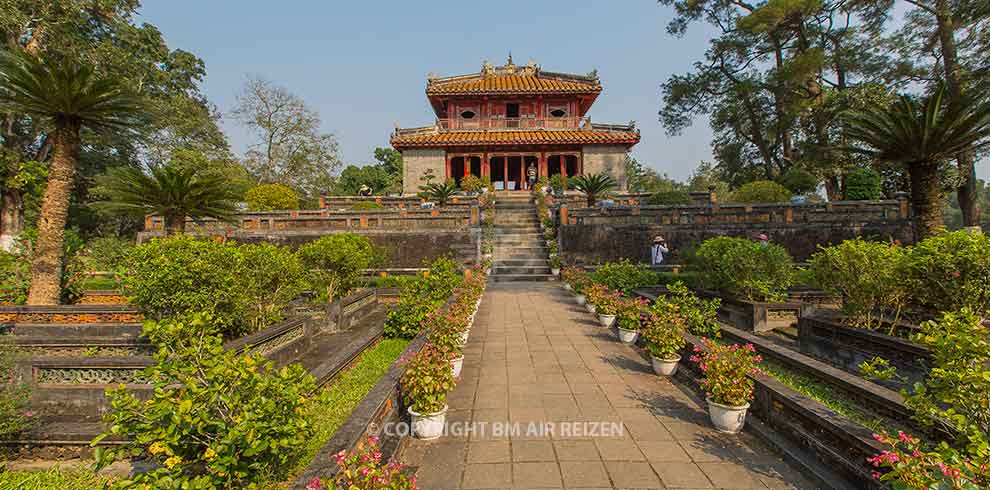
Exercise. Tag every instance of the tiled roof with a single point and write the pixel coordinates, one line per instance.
(495, 138)
(512, 84)
(512, 79)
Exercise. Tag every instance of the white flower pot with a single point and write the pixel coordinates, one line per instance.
(464, 336)
(555, 272)
(664, 367)
(579, 299)
(591, 308)
(430, 425)
(606, 320)
(567, 286)
(628, 336)
(727, 419)
(456, 365)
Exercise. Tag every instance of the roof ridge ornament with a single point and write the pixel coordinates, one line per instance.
(487, 69)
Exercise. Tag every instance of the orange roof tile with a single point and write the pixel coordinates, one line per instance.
(535, 83)
(457, 138)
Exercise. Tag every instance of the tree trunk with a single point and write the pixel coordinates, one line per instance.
(926, 199)
(174, 224)
(11, 218)
(946, 25)
(46, 265)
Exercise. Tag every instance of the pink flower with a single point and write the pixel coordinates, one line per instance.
(29, 414)
(315, 484)
(373, 440)
(876, 475)
(365, 471)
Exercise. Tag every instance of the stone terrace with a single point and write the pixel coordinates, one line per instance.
(534, 356)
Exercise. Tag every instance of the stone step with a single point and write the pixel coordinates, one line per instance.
(518, 249)
(521, 227)
(516, 256)
(545, 269)
(523, 277)
(520, 263)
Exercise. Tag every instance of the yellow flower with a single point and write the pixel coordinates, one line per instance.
(171, 462)
(209, 454)
(156, 448)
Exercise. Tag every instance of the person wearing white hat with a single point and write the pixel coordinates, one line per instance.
(658, 249)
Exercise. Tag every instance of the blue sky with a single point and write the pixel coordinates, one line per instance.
(363, 65)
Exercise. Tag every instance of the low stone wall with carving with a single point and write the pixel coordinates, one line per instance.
(590, 235)
(410, 202)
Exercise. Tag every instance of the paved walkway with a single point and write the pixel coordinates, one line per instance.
(536, 360)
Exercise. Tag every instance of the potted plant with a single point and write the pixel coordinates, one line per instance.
(627, 316)
(607, 306)
(553, 248)
(662, 336)
(555, 264)
(595, 293)
(425, 385)
(726, 381)
(471, 185)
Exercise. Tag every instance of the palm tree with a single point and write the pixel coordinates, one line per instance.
(440, 192)
(67, 96)
(594, 186)
(920, 134)
(173, 192)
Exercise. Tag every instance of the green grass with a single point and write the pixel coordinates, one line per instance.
(341, 397)
(100, 284)
(62, 479)
(824, 394)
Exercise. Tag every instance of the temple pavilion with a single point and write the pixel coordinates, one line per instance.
(503, 120)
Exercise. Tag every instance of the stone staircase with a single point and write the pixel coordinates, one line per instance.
(520, 251)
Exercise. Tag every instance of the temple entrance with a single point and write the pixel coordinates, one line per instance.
(508, 173)
(462, 166)
(565, 164)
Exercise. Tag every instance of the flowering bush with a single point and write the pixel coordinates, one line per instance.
(663, 329)
(363, 469)
(624, 276)
(444, 335)
(421, 297)
(604, 299)
(700, 315)
(726, 370)
(955, 396)
(628, 311)
(577, 277)
(426, 382)
(911, 467)
(216, 418)
(864, 274)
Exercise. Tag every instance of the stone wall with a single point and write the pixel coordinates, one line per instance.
(593, 235)
(415, 162)
(609, 159)
(405, 248)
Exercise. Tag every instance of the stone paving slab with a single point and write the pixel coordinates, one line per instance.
(549, 399)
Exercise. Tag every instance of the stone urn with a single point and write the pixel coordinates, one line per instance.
(555, 272)
(428, 425)
(579, 299)
(590, 307)
(725, 418)
(664, 367)
(628, 336)
(456, 365)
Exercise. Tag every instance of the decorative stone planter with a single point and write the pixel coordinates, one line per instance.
(606, 320)
(430, 425)
(590, 307)
(727, 419)
(555, 272)
(628, 336)
(664, 367)
(456, 365)
(579, 299)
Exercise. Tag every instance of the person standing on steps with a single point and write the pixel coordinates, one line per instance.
(530, 176)
(658, 249)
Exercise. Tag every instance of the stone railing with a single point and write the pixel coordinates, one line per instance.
(451, 217)
(410, 202)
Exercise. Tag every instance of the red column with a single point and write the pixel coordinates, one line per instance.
(449, 168)
(543, 171)
(505, 173)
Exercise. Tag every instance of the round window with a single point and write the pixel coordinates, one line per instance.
(558, 113)
(467, 115)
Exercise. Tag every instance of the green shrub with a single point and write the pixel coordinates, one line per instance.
(335, 262)
(669, 198)
(949, 272)
(107, 254)
(358, 206)
(700, 315)
(866, 275)
(271, 197)
(798, 181)
(216, 419)
(559, 183)
(180, 275)
(761, 191)
(471, 183)
(272, 277)
(422, 297)
(624, 276)
(15, 269)
(744, 268)
(863, 184)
